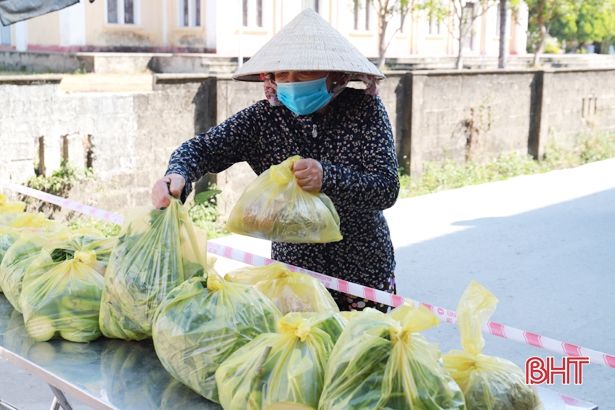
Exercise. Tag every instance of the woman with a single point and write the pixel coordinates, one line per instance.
(343, 135)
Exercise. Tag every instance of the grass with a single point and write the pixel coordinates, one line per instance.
(448, 174)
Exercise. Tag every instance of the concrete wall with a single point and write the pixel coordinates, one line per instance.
(435, 116)
(576, 102)
(474, 115)
(45, 62)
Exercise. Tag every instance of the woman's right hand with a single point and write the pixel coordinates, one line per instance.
(172, 184)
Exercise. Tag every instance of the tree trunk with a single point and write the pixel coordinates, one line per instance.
(503, 37)
(459, 61)
(540, 20)
(382, 31)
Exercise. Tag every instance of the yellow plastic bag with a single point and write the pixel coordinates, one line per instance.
(488, 383)
(283, 367)
(61, 290)
(381, 362)
(7, 207)
(202, 322)
(156, 251)
(19, 224)
(290, 291)
(275, 207)
(17, 260)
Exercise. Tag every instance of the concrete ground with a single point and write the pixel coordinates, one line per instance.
(543, 244)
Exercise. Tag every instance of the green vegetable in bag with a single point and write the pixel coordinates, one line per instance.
(202, 322)
(381, 362)
(275, 207)
(61, 290)
(283, 367)
(156, 251)
(19, 224)
(489, 383)
(18, 259)
(290, 291)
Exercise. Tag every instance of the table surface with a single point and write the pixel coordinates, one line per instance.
(104, 374)
(114, 374)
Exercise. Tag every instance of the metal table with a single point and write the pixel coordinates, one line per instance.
(114, 374)
(104, 374)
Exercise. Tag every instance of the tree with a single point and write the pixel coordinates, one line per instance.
(464, 16)
(543, 13)
(585, 22)
(387, 9)
(578, 22)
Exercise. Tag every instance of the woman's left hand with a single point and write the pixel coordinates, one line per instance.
(308, 172)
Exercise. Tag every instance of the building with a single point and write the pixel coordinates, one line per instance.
(237, 28)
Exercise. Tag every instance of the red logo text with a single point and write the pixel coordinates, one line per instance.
(540, 370)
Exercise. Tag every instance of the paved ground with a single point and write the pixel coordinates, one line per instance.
(544, 244)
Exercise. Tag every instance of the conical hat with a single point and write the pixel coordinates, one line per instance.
(307, 43)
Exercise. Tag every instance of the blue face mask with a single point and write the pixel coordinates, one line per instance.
(304, 97)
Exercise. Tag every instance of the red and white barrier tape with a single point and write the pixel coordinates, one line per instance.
(375, 295)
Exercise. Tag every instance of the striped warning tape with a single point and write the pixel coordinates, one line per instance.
(375, 295)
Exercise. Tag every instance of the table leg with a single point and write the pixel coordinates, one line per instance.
(5, 406)
(59, 400)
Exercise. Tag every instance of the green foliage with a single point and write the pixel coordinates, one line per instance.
(108, 229)
(204, 213)
(552, 46)
(577, 22)
(449, 174)
(59, 183)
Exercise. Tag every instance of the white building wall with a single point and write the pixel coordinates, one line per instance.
(21, 36)
(72, 25)
(232, 39)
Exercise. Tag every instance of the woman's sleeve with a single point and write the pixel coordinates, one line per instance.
(217, 149)
(376, 186)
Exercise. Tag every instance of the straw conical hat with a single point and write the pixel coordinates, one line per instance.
(307, 43)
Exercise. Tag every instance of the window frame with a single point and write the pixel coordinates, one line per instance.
(362, 14)
(252, 19)
(121, 14)
(193, 18)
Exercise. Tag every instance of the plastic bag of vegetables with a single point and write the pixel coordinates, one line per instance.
(286, 366)
(156, 251)
(16, 261)
(19, 224)
(275, 207)
(290, 291)
(381, 362)
(61, 290)
(202, 322)
(489, 383)
(7, 207)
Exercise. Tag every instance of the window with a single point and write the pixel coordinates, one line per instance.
(361, 15)
(434, 24)
(122, 11)
(5, 35)
(310, 4)
(252, 13)
(469, 15)
(189, 13)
